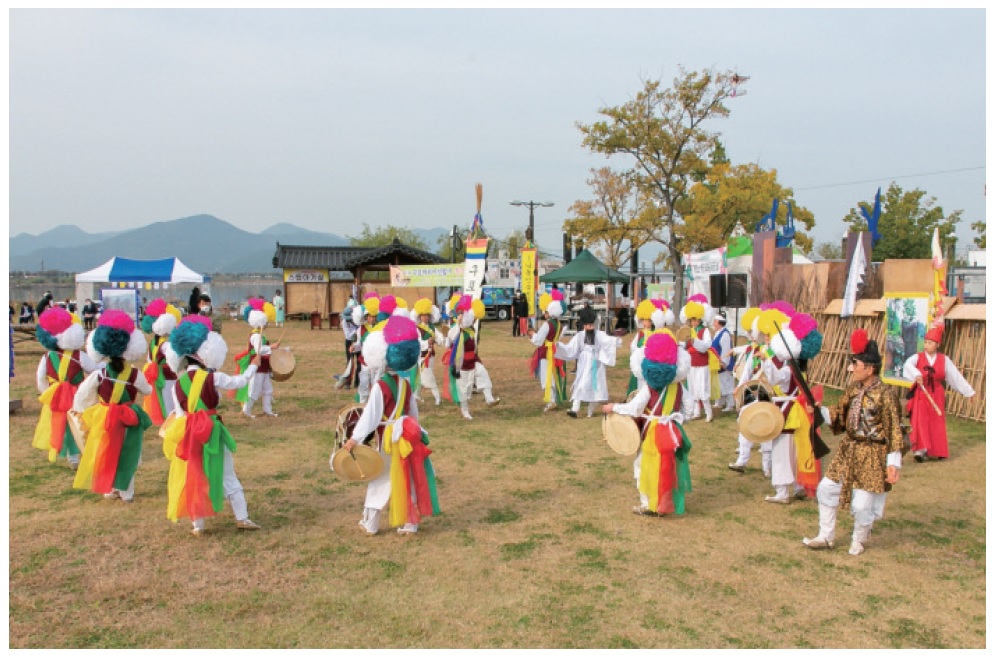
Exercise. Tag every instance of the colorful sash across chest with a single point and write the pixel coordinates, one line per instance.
(412, 479)
(194, 446)
(52, 434)
(114, 441)
(545, 356)
(243, 358)
(664, 474)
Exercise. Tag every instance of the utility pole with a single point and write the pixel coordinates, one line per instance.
(531, 204)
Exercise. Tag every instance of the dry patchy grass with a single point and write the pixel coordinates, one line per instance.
(536, 546)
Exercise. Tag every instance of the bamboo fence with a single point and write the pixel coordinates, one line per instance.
(963, 343)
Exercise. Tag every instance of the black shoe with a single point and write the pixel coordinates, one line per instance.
(920, 456)
(571, 413)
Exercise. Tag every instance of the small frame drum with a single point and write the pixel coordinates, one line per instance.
(683, 334)
(621, 433)
(77, 428)
(757, 390)
(282, 363)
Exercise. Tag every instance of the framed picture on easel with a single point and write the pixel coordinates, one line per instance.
(906, 317)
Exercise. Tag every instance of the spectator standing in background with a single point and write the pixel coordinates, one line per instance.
(27, 313)
(279, 305)
(89, 314)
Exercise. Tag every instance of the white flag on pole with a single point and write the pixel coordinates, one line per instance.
(858, 265)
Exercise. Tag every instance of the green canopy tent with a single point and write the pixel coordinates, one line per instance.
(585, 269)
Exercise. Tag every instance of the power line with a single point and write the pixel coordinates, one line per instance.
(892, 177)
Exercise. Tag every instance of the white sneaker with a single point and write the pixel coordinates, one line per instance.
(467, 416)
(494, 402)
(273, 414)
(437, 401)
(856, 548)
(112, 495)
(819, 543)
(408, 529)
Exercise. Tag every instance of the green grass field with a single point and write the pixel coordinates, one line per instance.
(536, 546)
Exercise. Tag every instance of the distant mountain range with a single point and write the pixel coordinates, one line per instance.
(205, 243)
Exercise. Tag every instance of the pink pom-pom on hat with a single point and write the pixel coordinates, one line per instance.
(699, 297)
(782, 306)
(398, 329)
(55, 320)
(156, 308)
(661, 348)
(256, 304)
(465, 303)
(197, 318)
(556, 294)
(802, 325)
(116, 319)
(387, 305)
(370, 294)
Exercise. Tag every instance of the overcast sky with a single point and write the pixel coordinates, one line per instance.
(331, 118)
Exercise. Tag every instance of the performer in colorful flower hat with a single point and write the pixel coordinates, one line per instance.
(544, 366)
(197, 444)
(257, 314)
(390, 418)
(428, 315)
(931, 372)
(106, 402)
(60, 372)
(371, 313)
(465, 367)
(594, 350)
(159, 320)
(749, 370)
(644, 321)
(697, 313)
(661, 469)
(869, 456)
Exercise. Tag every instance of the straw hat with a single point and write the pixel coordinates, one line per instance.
(760, 422)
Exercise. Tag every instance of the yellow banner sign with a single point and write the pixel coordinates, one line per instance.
(427, 275)
(530, 277)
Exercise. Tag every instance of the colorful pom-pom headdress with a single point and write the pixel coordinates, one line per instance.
(115, 336)
(659, 361)
(56, 330)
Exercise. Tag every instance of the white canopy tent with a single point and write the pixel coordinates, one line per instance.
(136, 273)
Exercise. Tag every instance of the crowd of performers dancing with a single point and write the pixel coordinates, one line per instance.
(678, 375)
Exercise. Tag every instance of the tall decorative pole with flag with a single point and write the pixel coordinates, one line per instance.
(476, 252)
(939, 284)
(858, 266)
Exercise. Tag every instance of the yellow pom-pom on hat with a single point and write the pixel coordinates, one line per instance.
(401, 302)
(452, 301)
(479, 309)
(746, 321)
(694, 310)
(372, 306)
(644, 310)
(768, 319)
(423, 306)
(174, 312)
(544, 301)
(75, 318)
(270, 312)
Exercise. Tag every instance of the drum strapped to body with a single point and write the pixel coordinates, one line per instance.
(346, 423)
(282, 364)
(751, 391)
(683, 334)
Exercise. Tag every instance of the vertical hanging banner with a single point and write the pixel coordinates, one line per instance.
(474, 267)
(530, 277)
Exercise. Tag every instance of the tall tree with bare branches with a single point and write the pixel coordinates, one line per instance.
(617, 221)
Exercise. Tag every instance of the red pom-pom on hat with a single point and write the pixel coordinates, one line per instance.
(858, 341)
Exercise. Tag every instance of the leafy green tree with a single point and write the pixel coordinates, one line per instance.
(662, 131)
(620, 219)
(829, 250)
(979, 240)
(384, 236)
(906, 224)
(736, 196)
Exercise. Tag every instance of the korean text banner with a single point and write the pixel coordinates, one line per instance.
(476, 264)
(529, 277)
(427, 275)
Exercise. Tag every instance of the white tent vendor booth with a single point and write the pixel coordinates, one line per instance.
(161, 272)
